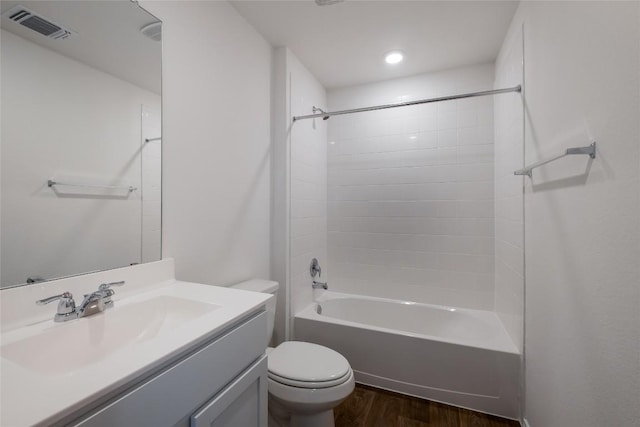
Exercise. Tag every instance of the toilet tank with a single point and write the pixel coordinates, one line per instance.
(266, 287)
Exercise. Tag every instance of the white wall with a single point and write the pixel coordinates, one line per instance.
(411, 193)
(308, 183)
(216, 142)
(509, 215)
(280, 200)
(582, 237)
(74, 123)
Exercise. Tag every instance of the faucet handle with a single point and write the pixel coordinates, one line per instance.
(105, 286)
(314, 268)
(63, 296)
(106, 292)
(66, 306)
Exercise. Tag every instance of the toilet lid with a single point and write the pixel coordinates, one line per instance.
(302, 364)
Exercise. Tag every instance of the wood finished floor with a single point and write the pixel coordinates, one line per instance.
(372, 407)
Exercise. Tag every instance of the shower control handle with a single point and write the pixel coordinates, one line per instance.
(314, 268)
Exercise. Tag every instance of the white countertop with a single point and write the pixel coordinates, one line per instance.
(29, 397)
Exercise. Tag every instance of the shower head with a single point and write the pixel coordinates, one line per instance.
(317, 109)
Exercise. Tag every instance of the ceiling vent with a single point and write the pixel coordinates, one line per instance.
(37, 23)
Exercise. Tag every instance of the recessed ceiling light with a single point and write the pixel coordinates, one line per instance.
(394, 57)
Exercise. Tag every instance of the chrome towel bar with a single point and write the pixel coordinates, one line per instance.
(589, 150)
(130, 188)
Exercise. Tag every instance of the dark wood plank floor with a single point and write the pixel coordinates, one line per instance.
(372, 407)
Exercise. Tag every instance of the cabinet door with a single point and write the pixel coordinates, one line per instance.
(242, 404)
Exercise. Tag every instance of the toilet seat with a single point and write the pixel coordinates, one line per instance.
(306, 365)
(309, 384)
(311, 399)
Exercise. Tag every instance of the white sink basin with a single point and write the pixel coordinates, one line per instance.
(64, 347)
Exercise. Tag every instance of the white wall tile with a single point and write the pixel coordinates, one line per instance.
(308, 179)
(447, 120)
(411, 194)
(467, 118)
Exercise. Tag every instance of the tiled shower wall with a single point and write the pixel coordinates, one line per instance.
(308, 232)
(411, 191)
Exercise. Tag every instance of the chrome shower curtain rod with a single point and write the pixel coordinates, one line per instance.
(326, 115)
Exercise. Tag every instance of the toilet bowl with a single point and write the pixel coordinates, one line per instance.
(305, 381)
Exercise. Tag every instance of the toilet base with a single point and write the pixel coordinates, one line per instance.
(280, 417)
(322, 419)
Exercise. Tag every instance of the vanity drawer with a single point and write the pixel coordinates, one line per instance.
(171, 397)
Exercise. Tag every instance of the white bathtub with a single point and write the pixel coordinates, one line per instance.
(457, 356)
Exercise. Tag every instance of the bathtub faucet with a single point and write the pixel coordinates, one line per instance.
(319, 285)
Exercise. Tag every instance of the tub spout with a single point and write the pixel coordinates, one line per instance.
(319, 285)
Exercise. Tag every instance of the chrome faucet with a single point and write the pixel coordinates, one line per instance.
(66, 306)
(315, 270)
(92, 303)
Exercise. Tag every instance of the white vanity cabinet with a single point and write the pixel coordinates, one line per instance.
(222, 382)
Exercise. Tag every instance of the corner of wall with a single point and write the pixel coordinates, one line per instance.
(279, 191)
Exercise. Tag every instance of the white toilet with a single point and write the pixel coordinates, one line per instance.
(306, 381)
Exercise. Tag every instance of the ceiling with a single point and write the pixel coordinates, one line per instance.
(344, 44)
(108, 37)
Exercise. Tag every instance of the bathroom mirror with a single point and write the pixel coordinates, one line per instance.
(81, 138)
